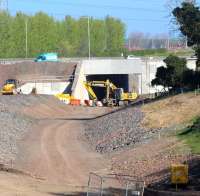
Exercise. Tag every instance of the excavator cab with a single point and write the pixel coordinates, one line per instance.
(118, 93)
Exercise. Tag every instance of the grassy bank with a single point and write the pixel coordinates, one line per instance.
(191, 136)
(162, 52)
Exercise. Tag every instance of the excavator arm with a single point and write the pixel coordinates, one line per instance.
(104, 84)
(90, 91)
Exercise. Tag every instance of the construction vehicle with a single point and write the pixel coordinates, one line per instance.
(10, 87)
(64, 97)
(47, 57)
(114, 96)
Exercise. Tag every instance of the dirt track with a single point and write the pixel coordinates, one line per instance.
(53, 149)
(19, 185)
(55, 153)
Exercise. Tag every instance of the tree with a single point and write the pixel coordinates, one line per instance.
(188, 19)
(98, 37)
(189, 79)
(42, 33)
(5, 34)
(68, 41)
(197, 79)
(82, 37)
(171, 76)
(138, 40)
(115, 34)
(161, 77)
(18, 36)
(68, 37)
(175, 68)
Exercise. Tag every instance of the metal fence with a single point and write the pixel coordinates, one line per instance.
(114, 185)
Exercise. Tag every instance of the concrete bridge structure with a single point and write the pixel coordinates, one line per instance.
(130, 74)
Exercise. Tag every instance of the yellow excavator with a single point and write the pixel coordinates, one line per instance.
(9, 88)
(114, 96)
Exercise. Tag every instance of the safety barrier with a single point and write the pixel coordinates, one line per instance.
(75, 102)
(67, 99)
(89, 102)
(114, 184)
(93, 103)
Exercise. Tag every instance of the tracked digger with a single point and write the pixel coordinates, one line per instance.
(114, 96)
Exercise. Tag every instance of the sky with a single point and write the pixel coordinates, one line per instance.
(147, 16)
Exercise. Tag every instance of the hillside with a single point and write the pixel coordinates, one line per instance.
(137, 137)
(171, 111)
(31, 70)
(129, 127)
(191, 134)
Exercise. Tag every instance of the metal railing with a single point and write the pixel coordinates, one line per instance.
(114, 184)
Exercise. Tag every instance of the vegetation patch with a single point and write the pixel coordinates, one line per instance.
(191, 135)
(162, 52)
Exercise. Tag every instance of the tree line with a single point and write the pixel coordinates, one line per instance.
(68, 37)
(176, 75)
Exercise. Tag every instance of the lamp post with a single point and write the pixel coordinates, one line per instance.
(26, 31)
(88, 34)
(89, 55)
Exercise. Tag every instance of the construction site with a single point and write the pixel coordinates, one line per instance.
(99, 98)
(92, 127)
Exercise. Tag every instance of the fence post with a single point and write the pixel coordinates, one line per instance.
(88, 185)
(127, 189)
(101, 187)
(143, 189)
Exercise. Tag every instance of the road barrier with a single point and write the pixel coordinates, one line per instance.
(89, 102)
(114, 184)
(75, 102)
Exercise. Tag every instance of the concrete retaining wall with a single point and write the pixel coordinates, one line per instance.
(49, 88)
(78, 89)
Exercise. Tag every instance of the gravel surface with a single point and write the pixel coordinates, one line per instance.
(153, 159)
(14, 125)
(118, 130)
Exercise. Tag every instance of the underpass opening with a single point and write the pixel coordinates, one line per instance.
(119, 80)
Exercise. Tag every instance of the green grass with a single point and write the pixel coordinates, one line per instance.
(161, 52)
(191, 136)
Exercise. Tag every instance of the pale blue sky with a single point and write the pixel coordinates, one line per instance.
(148, 16)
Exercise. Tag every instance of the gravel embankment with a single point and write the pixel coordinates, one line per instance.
(118, 130)
(13, 124)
